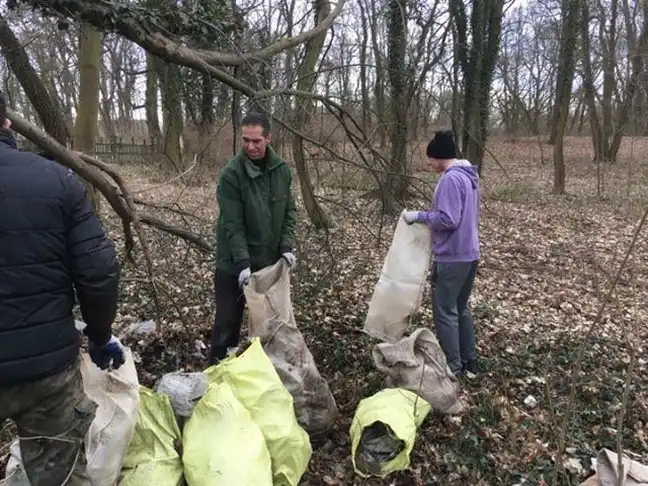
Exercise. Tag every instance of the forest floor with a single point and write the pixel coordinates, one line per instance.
(547, 265)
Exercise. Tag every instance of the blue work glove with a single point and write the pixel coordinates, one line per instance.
(112, 351)
(290, 258)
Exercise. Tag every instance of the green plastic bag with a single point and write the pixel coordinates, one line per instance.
(152, 457)
(383, 431)
(257, 385)
(222, 445)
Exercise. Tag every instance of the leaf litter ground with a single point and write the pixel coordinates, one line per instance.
(547, 262)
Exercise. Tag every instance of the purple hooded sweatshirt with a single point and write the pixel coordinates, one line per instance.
(454, 220)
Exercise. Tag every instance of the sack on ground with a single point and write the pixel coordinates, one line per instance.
(183, 389)
(257, 386)
(271, 318)
(222, 445)
(383, 431)
(607, 467)
(116, 392)
(417, 363)
(152, 457)
(399, 290)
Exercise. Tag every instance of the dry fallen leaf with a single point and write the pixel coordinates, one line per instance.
(546, 263)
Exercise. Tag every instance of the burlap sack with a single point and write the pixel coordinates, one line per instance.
(271, 318)
(417, 363)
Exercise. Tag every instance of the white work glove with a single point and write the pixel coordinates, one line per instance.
(290, 258)
(244, 277)
(411, 216)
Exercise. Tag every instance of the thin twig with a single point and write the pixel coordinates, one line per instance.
(137, 223)
(585, 342)
(622, 413)
(170, 181)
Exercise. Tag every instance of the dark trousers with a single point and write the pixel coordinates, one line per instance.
(230, 303)
(453, 283)
(53, 416)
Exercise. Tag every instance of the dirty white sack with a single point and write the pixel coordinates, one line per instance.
(116, 393)
(399, 290)
(271, 318)
(634, 473)
(417, 363)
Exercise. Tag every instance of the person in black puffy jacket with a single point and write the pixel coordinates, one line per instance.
(51, 245)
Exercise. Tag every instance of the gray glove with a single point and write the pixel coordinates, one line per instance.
(244, 277)
(290, 258)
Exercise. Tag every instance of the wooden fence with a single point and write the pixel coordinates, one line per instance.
(120, 151)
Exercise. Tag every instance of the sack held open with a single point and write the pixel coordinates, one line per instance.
(271, 318)
(399, 290)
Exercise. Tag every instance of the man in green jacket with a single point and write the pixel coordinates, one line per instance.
(255, 226)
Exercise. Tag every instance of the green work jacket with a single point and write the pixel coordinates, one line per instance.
(256, 221)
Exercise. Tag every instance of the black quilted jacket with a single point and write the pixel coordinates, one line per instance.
(51, 244)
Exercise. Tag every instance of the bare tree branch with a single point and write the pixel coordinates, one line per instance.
(94, 171)
(97, 13)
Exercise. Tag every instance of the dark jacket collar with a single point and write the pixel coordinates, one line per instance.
(7, 138)
(253, 170)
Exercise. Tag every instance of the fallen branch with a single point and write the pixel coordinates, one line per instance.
(170, 208)
(182, 233)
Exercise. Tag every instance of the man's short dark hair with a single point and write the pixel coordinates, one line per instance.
(255, 119)
(3, 107)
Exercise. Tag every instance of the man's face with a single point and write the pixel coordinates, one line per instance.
(255, 141)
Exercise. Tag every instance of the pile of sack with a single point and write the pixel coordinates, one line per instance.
(245, 421)
(418, 378)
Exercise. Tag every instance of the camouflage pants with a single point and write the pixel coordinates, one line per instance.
(52, 416)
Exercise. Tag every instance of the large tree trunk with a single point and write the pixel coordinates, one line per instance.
(395, 183)
(566, 68)
(363, 55)
(172, 116)
(206, 103)
(379, 84)
(477, 69)
(85, 127)
(152, 118)
(304, 111)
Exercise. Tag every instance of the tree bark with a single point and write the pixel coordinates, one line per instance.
(303, 113)
(152, 118)
(566, 68)
(85, 127)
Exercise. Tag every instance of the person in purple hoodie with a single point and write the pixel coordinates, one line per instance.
(454, 223)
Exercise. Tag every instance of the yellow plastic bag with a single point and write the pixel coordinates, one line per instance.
(222, 445)
(152, 457)
(257, 385)
(383, 431)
